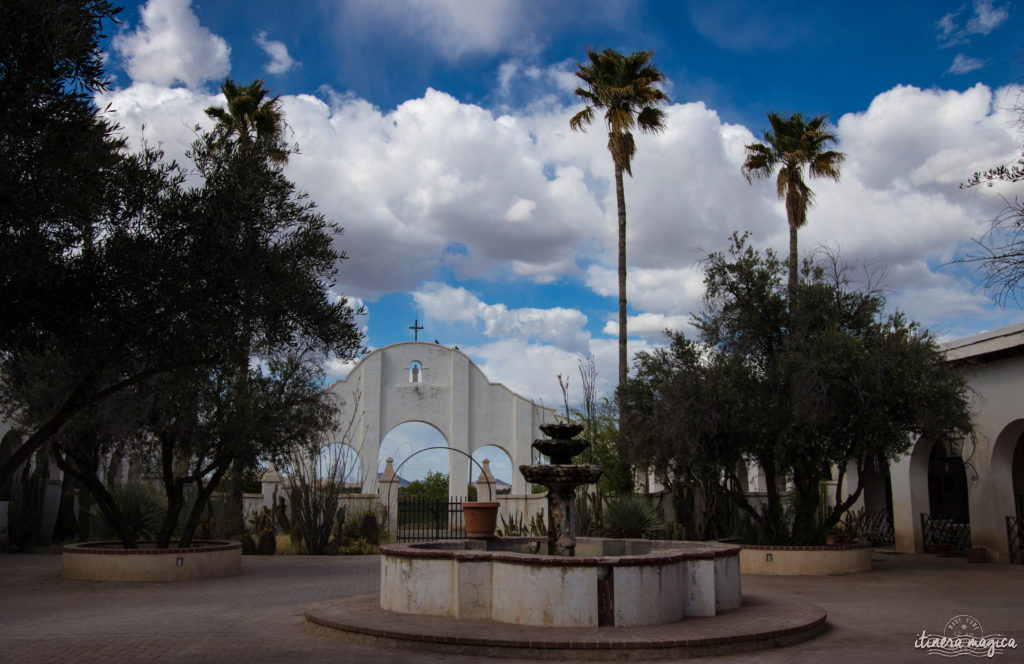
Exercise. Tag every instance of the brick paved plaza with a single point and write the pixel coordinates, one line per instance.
(257, 617)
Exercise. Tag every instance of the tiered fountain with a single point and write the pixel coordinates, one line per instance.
(594, 582)
(561, 478)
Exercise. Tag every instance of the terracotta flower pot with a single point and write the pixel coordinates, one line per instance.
(830, 540)
(942, 550)
(480, 519)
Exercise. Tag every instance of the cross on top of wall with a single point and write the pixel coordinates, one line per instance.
(416, 327)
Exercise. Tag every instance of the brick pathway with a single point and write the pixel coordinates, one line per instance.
(257, 617)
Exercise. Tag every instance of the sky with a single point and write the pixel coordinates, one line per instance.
(436, 132)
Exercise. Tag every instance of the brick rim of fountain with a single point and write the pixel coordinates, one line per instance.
(760, 623)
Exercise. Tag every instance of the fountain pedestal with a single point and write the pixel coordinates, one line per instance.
(561, 478)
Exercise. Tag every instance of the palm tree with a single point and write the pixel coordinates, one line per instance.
(624, 88)
(791, 144)
(250, 118)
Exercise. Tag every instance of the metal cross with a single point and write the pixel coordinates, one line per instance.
(416, 327)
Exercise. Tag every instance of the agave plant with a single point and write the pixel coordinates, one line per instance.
(632, 517)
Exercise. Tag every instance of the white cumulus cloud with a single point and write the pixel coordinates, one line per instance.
(170, 46)
(560, 326)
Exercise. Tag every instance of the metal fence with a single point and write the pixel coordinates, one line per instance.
(878, 527)
(1015, 538)
(424, 519)
(944, 529)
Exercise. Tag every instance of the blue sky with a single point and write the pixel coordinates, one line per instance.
(436, 132)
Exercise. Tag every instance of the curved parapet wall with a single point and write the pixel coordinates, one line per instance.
(109, 561)
(608, 582)
(810, 560)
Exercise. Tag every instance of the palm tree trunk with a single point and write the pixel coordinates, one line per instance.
(620, 196)
(793, 266)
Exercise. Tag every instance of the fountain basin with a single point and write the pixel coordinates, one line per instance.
(610, 582)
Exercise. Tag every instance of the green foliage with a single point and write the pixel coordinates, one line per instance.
(633, 517)
(141, 506)
(266, 545)
(315, 480)
(261, 521)
(588, 512)
(124, 286)
(358, 547)
(790, 145)
(517, 526)
(433, 487)
(797, 386)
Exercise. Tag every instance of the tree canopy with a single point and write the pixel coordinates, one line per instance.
(855, 385)
(999, 252)
(123, 286)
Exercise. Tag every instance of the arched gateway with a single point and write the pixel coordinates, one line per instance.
(422, 382)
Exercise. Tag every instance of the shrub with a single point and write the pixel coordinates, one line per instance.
(267, 544)
(248, 545)
(632, 517)
(142, 506)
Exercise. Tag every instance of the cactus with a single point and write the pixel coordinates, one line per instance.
(267, 544)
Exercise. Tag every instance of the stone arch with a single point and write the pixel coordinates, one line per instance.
(1006, 470)
(913, 485)
(909, 476)
(452, 395)
(401, 451)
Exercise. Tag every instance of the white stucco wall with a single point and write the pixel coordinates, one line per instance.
(452, 395)
(993, 364)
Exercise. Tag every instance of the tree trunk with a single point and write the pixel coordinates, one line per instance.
(104, 500)
(620, 196)
(66, 526)
(202, 500)
(794, 268)
(173, 488)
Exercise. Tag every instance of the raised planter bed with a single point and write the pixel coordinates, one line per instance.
(109, 561)
(809, 560)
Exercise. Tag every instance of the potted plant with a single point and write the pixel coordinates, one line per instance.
(480, 519)
(832, 536)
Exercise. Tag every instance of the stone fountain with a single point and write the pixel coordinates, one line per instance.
(593, 581)
(561, 477)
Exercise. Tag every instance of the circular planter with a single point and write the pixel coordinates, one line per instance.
(809, 560)
(109, 561)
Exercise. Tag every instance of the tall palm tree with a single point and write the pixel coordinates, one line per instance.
(250, 118)
(623, 87)
(791, 144)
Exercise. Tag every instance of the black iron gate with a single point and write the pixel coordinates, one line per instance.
(1015, 538)
(878, 527)
(425, 519)
(944, 529)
